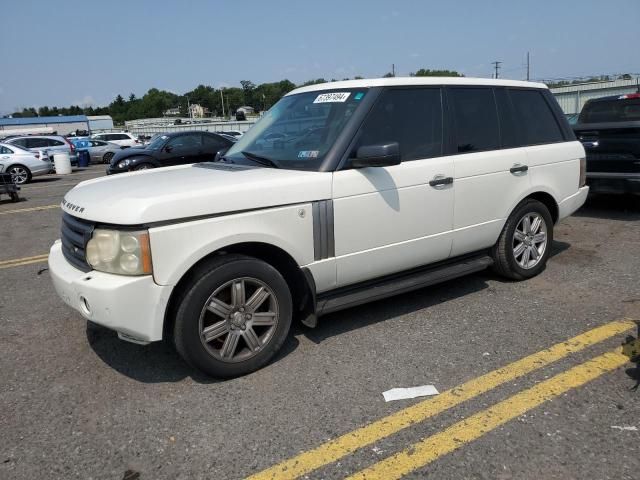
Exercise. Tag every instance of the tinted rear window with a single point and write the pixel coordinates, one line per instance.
(537, 122)
(611, 111)
(476, 119)
(37, 142)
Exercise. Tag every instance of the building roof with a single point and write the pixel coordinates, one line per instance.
(99, 117)
(43, 120)
(410, 81)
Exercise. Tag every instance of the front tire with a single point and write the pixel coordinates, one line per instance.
(107, 157)
(143, 166)
(233, 316)
(525, 243)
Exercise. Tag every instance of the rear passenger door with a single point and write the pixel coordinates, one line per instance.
(490, 166)
(553, 162)
(390, 219)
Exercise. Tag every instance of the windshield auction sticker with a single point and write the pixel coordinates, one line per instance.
(335, 97)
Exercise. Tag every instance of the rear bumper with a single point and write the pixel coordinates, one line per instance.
(132, 306)
(572, 203)
(611, 182)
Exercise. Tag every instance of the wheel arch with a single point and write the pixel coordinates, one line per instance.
(300, 282)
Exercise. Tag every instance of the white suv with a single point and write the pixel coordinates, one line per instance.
(124, 139)
(372, 188)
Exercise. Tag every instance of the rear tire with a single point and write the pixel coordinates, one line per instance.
(524, 244)
(233, 316)
(19, 174)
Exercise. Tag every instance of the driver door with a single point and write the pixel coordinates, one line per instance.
(390, 219)
(181, 149)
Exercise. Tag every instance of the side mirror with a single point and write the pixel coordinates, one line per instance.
(383, 155)
(168, 148)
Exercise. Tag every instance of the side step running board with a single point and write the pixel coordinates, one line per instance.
(357, 295)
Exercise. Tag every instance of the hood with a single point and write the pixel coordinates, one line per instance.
(185, 191)
(130, 152)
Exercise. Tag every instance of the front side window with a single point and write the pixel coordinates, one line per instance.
(184, 141)
(476, 119)
(299, 130)
(537, 122)
(412, 117)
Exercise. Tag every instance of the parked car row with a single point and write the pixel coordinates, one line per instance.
(22, 164)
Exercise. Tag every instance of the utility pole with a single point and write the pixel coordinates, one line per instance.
(188, 107)
(497, 67)
(222, 100)
(528, 66)
(393, 69)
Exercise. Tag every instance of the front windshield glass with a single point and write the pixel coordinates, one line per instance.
(298, 131)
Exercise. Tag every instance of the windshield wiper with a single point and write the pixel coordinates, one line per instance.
(261, 160)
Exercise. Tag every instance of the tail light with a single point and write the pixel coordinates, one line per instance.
(71, 145)
(583, 171)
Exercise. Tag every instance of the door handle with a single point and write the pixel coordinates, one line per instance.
(440, 181)
(517, 168)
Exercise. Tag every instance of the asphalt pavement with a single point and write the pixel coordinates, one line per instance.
(76, 402)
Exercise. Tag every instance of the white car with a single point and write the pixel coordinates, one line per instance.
(23, 164)
(124, 139)
(383, 186)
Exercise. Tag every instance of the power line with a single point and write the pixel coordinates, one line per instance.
(496, 64)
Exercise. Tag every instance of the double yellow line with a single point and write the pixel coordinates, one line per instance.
(431, 448)
(16, 262)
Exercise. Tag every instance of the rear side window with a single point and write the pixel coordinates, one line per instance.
(411, 117)
(55, 143)
(211, 142)
(37, 143)
(536, 120)
(476, 119)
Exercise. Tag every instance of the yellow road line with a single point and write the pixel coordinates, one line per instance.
(17, 262)
(31, 209)
(456, 436)
(348, 443)
(28, 188)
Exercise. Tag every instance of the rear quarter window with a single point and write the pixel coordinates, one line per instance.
(537, 122)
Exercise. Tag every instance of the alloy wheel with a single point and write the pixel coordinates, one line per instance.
(529, 240)
(19, 175)
(239, 319)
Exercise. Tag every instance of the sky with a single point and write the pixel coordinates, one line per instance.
(85, 53)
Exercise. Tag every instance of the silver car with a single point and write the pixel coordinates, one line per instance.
(99, 150)
(22, 164)
(52, 144)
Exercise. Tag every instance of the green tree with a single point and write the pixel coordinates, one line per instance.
(425, 72)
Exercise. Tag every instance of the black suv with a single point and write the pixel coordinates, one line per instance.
(170, 149)
(609, 129)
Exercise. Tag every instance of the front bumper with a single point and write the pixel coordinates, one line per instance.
(132, 306)
(605, 182)
(572, 203)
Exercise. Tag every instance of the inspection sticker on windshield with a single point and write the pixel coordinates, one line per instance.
(308, 154)
(335, 97)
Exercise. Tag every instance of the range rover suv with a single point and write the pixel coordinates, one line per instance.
(342, 193)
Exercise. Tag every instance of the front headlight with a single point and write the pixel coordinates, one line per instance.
(121, 252)
(124, 163)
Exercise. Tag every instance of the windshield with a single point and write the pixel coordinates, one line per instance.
(298, 131)
(603, 111)
(157, 142)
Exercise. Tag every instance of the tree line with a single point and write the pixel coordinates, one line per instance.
(156, 102)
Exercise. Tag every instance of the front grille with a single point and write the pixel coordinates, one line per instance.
(75, 235)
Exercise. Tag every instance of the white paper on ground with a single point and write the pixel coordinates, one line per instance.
(630, 429)
(411, 392)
